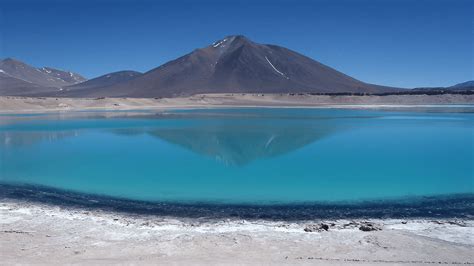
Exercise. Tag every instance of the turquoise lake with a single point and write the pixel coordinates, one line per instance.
(247, 155)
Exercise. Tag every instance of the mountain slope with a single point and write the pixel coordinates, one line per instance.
(63, 76)
(16, 87)
(236, 64)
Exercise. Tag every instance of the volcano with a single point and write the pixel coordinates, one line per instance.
(236, 64)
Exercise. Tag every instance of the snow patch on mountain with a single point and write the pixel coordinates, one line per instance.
(219, 43)
(46, 70)
(274, 68)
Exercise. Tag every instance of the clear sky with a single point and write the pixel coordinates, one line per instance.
(391, 42)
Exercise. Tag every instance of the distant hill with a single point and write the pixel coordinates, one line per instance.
(236, 64)
(18, 78)
(95, 84)
(465, 85)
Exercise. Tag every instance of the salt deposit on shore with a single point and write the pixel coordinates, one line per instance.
(32, 233)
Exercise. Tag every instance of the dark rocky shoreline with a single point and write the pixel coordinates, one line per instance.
(459, 206)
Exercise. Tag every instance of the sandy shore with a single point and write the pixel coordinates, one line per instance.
(10, 104)
(34, 233)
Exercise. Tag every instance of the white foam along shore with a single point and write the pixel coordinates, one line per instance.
(9, 104)
(46, 234)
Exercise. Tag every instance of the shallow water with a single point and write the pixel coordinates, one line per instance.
(244, 156)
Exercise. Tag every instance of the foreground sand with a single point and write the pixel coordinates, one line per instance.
(10, 104)
(43, 234)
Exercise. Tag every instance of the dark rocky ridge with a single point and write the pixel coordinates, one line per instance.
(45, 76)
(18, 78)
(437, 207)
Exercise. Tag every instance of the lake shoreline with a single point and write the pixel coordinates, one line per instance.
(42, 233)
(44, 225)
(16, 104)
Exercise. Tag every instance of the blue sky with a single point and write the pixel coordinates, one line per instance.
(398, 43)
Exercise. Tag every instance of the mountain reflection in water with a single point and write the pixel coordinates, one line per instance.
(234, 139)
(239, 145)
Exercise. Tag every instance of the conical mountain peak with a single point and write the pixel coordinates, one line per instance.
(234, 64)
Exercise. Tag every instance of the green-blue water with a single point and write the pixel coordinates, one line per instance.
(244, 155)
